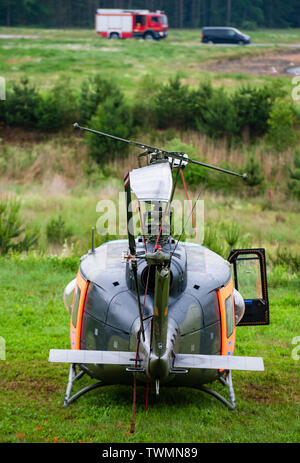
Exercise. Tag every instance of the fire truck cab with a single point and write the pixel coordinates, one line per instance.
(124, 24)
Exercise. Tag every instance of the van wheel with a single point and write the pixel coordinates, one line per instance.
(114, 35)
(241, 42)
(148, 36)
(210, 42)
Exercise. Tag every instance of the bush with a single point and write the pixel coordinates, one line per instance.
(49, 114)
(281, 134)
(218, 116)
(199, 100)
(144, 102)
(286, 258)
(232, 234)
(13, 235)
(21, 105)
(294, 182)
(172, 106)
(255, 175)
(112, 117)
(95, 91)
(56, 230)
(25, 107)
(57, 108)
(253, 107)
(213, 240)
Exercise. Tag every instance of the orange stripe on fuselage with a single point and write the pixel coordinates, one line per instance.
(75, 332)
(227, 344)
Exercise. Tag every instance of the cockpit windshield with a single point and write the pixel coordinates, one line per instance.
(152, 183)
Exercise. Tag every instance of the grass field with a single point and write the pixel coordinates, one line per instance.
(31, 390)
(75, 54)
(52, 176)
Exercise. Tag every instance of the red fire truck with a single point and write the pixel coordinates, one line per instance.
(124, 24)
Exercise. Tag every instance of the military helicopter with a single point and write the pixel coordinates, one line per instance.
(158, 311)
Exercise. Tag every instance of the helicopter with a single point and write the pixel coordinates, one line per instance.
(157, 311)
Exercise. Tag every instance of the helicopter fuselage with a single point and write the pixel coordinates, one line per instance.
(200, 311)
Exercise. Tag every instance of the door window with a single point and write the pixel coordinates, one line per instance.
(250, 280)
(140, 20)
(249, 276)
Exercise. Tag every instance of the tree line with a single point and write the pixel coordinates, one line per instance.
(181, 13)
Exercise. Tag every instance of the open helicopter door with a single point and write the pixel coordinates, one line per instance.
(250, 279)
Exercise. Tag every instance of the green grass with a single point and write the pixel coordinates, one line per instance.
(78, 53)
(33, 320)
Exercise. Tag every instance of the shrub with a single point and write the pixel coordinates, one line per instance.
(232, 234)
(255, 175)
(13, 235)
(172, 105)
(21, 105)
(95, 91)
(287, 258)
(218, 116)
(294, 182)
(213, 241)
(57, 108)
(144, 102)
(253, 107)
(56, 230)
(49, 114)
(112, 117)
(281, 134)
(199, 100)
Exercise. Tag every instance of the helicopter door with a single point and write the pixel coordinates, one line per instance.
(250, 279)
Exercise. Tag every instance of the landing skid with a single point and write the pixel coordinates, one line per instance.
(226, 382)
(73, 376)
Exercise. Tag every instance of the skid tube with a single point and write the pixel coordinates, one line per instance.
(73, 376)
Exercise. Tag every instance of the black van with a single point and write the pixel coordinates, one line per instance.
(224, 35)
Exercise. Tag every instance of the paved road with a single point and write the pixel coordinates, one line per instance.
(285, 45)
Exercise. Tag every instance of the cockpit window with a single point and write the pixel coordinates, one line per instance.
(75, 306)
(229, 315)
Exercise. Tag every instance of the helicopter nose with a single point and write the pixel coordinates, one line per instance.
(158, 367)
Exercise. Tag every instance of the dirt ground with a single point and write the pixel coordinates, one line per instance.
(267, 64)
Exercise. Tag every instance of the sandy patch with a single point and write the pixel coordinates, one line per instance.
(271, 64)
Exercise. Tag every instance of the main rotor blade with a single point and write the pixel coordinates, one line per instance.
(174, 155)
(217, 168)
(192, 161)
(130, 142)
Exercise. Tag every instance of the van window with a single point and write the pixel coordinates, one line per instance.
(231, 33)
